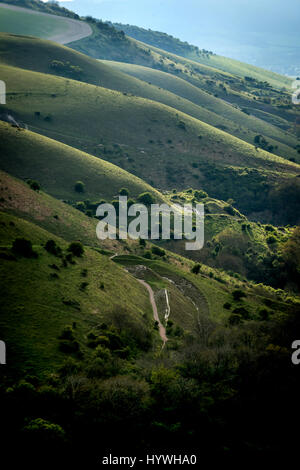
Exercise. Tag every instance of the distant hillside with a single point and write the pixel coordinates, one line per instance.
(57, 167)
(48, 57)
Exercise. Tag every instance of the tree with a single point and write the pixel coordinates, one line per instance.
(76, 248)
(53, 248)
(124, 192)
(79, 187)
(146, 198)
(158, 251)
(34, 185)
(23, 247)
(196, 268)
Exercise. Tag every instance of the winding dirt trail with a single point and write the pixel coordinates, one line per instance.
(161, 328)
(73, 29)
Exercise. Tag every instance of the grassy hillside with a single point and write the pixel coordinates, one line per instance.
(57, 167)
(50, 58)
(235, 121)
(35, 313)
(22, 22)
(85, 116)
(175, 46)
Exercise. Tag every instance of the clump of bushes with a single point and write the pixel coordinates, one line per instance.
(52, 248)
(76, 249)
(23, 247)
(34, 185)
(238, 294)
(158, 251)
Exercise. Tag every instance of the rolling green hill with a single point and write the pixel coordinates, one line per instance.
(57, 167)
(47, 57)
(84, 116)
(173, 45)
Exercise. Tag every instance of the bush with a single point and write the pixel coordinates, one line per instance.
(227, 305)
(146, 198)
(238, 294)
(199, 194)
(229, 209)
(34, 185)
(76, 248)
(53, 248)
(271, 240)
(124, 192)
(67, 333)
(196, 268)
(79, 187)
(23, 247)
(158, 251)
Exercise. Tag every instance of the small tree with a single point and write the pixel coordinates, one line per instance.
(79, 187)
(124, 192)
(76, 248)
(34, 185)
(53, 248)
(23, 247)
(158, 251)
(196, 268)
(238, 294)
(146, 198)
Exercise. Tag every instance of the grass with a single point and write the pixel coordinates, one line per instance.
(216, 111)
(57, 167)
(151, 136)
(38, 55)
(33, 311)
(29, 23)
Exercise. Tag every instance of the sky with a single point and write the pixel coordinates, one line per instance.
(254, 30)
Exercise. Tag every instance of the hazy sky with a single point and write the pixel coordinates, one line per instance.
(229, 27)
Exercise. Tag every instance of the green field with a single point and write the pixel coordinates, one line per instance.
(31, 24)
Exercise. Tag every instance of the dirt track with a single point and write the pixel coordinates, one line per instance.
(74, 29)
(161, 328)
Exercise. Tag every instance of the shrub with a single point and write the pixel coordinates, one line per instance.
(79, 187)
(53, 248)
(34, 185)
(23, 247)
(238, 294)
(76, 248)
(229, 209)
(199, 194)
(196, 268)
(67, 333)
(146, 198)
(234, 319)
(227, 305)
(148, 255)
(158, 251)
(124, 192)
(271, 240)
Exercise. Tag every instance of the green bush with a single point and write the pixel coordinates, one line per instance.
(158, 251)
(124, 192)
(34, 185)
(53, 248)
(146, 198)
(76, 248)
(79, 187)
(196, 268)
(238, 294)
(23, 247)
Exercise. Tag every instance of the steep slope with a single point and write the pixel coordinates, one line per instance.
(57, 167)
(56, 294)
(47, 57)
(15, 19)
(86, 117)
(175, 46)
